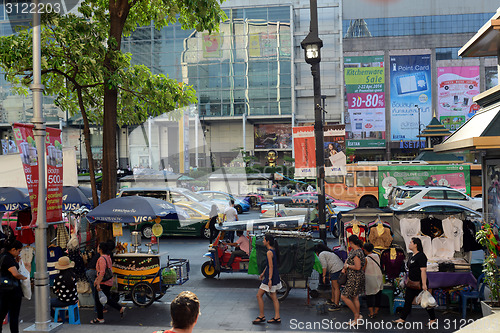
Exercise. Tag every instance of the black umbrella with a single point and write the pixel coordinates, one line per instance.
(74, 198)
(134, 209)
(13, 198)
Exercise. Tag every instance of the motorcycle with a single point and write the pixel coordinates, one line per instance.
(218, 255)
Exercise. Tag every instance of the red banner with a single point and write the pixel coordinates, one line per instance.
(304, 145)
(53, 147)
(23, 133)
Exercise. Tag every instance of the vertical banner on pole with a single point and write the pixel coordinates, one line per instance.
(54, 153)
(23, 134)
(304, 145)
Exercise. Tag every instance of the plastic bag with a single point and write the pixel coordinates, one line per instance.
(426, 300)
(102, 297)
(25, 284)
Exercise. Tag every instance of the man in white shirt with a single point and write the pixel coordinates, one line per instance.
(230, 215)
(242, 248)
(310, 188)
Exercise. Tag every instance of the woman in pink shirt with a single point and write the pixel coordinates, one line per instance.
(104, 262)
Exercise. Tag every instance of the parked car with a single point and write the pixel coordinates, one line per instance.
(173, 195)
(444, 207)
(192, 218)
(292, 206)
(336, 202)
(224, 198)
(402, 197)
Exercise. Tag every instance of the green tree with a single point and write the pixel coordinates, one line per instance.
(120, 18)
(72, 50)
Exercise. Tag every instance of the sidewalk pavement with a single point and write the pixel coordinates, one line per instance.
(233, 309)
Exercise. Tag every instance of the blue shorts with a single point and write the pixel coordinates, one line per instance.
(335, 276)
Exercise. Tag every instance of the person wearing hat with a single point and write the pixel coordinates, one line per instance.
(64, 285)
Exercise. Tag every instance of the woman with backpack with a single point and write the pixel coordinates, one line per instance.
(374, 282)
(102, 282)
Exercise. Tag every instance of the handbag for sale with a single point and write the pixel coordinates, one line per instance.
(342, 279)
(6, 282)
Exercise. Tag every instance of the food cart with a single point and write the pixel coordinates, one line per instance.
(144, 276)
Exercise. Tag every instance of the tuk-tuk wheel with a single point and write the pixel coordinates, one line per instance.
(208, 269)
(283, 292)
(143, 294)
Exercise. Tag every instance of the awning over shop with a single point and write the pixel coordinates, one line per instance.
(478, 133)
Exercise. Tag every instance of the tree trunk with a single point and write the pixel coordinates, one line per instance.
(88, 148)
(118, 13)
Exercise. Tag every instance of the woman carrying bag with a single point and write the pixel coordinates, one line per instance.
(101, 283)
(355, 285)
(416, 280)
(10, 300)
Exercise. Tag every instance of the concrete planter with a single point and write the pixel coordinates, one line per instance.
(487, 309)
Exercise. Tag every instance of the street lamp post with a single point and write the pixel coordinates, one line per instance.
(312, 47)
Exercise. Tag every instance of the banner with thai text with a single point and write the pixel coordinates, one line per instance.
(365, 94)
(456, 87)
(23, 134)
(53, 147)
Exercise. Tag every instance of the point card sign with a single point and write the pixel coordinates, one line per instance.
(411, 95)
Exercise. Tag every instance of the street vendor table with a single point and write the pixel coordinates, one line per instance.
(450, 279)
(131, 268)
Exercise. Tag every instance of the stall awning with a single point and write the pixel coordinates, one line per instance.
(485, 42)
(478, 133)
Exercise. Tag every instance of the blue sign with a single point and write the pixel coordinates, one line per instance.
(411, 96)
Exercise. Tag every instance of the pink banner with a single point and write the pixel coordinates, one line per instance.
(456, 87)
(373, 100)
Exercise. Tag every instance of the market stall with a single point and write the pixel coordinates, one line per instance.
(144, 275)
(447, 240)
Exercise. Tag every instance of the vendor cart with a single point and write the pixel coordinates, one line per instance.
(141, 276)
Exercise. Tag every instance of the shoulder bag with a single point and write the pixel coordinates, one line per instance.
(412, 284)
(342, 279)
(7, 283)
(108, 273)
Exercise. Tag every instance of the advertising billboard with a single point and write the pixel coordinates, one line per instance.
(455, 176)
(411, 95)
(273, 136)
(304, 145)
(365, 100)
(456, 87)
(334, 144)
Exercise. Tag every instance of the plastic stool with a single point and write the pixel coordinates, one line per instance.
(73, 314)
(398, 303)
(390, 295)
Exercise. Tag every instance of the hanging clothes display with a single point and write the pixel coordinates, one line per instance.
(62, 237)
(431, 226)
(453, 229)
(53, 255)
(443, 248)
(410, 227)
(380, 235)
(392, 262)
(357, 228)
(426, 244)
(470, 242)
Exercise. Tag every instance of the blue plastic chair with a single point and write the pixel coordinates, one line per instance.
(73, 314)
(476, 294)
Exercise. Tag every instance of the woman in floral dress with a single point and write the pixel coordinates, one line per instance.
(355, 285)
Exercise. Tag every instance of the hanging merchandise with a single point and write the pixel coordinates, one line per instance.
(392, 261)
(380, 235)
(27, 254)
(357, 228)
(426, 244)
(443, 248)
(453, 229)
(62, 236)
(470, 242)
(53, 255)
(410, 227)
(431, 226)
